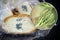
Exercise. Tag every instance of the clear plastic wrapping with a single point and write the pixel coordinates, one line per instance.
(11, 4)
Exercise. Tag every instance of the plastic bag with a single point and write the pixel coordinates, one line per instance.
(11, 4)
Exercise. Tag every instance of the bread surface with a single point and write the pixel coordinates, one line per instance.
(10, 22)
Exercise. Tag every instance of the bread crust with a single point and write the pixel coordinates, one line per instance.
(19, 15)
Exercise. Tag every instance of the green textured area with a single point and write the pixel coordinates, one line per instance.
(47, 15)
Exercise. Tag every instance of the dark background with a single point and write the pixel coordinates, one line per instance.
(54, 33)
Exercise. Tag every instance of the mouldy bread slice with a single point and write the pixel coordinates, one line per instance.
(24, 8)
(18, 25)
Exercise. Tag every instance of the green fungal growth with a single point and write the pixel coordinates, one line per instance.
(46, 14)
